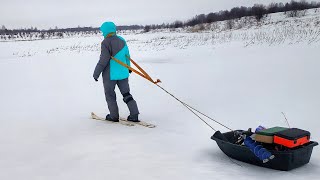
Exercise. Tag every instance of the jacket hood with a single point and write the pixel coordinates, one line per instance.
(107, 28)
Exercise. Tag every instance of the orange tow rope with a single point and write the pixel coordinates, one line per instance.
(143, 73)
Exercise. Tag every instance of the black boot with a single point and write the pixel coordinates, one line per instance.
(109, 118)
(133, 118)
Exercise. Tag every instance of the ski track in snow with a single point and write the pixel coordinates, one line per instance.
(47, 96)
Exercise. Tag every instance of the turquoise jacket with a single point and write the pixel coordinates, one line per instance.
(116, 46)
(117, 71)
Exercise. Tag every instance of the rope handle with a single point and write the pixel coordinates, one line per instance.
(143, 73)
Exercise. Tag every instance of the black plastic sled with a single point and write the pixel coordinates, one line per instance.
(283, 160)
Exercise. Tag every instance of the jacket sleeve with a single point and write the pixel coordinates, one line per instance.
(103, 61)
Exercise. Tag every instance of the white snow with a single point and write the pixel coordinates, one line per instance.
(47, 93)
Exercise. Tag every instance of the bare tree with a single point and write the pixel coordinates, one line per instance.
(177, 24)
(146, 28)
(60, 34)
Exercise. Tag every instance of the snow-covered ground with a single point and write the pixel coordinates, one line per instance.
(47, 93)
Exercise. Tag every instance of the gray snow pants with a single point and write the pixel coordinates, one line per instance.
(123, 85)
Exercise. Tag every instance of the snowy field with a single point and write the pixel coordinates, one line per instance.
(47, 93)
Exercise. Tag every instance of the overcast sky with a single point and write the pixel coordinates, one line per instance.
(71, 13)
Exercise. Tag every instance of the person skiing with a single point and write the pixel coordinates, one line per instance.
(115, 74)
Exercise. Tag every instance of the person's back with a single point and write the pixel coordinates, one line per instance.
(114, 73)
(115, 47)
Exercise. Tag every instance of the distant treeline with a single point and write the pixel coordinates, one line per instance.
(258, 11)
(4, 30)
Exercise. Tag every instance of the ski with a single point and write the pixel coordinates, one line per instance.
(126, 123)
(141, 123)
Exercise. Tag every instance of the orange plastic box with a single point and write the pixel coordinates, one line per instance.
(292, 137)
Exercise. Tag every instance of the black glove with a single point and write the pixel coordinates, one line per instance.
(130, 71)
